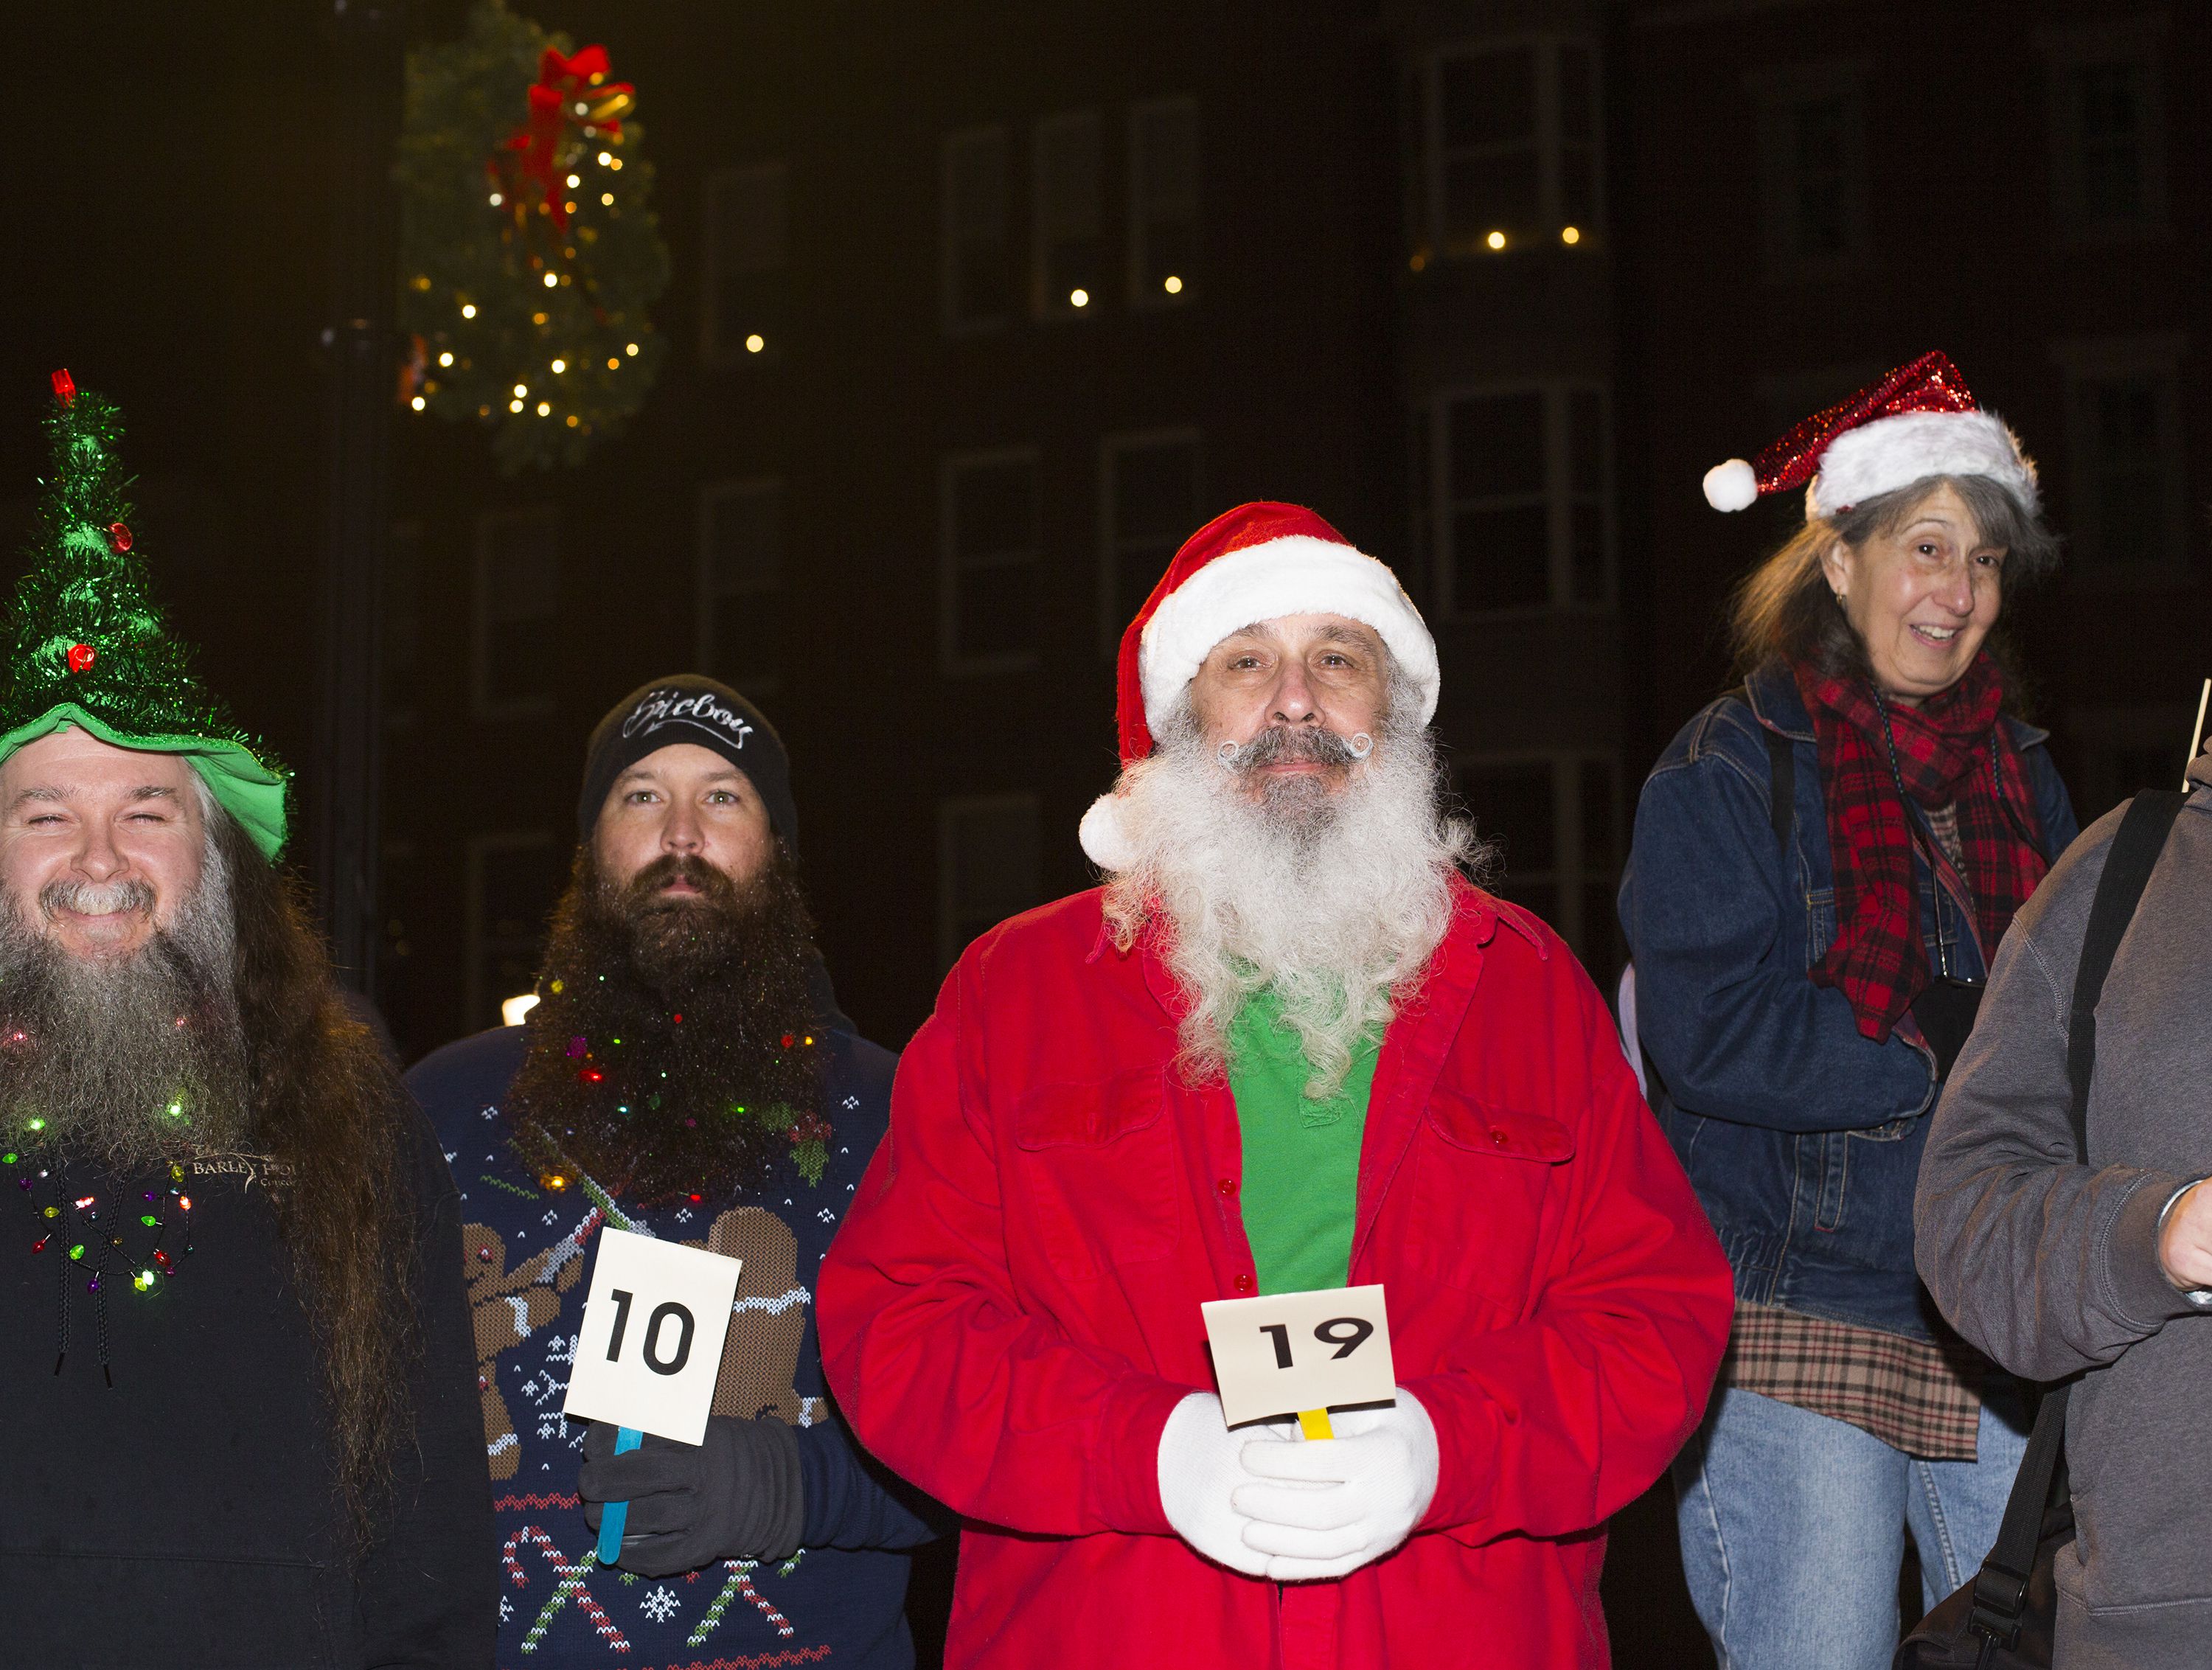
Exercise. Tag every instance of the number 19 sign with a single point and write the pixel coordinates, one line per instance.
(651, 1343)
(1293, 1354)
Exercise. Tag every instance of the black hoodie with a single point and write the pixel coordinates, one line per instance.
(188, 1513)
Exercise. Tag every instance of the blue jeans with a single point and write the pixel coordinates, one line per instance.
(1793, 1530)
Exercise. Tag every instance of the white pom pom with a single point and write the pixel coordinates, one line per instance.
(1731, 486)
(1105, 842)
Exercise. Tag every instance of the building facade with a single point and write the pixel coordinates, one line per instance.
(977, 311)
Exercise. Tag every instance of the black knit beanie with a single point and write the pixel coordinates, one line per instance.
(688, 707)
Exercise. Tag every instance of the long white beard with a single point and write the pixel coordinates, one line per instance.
(1333, 900)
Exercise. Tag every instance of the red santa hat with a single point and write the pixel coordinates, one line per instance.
(1256, 562)
(1919, 421)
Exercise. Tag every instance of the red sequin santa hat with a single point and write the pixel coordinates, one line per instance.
(1919, 421)
(1256, 562)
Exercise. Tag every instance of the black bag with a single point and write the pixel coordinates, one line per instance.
(2004, 1618)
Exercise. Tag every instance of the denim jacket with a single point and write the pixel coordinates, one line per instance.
(1802, 1136)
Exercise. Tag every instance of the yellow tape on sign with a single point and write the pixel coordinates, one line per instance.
(1314, 1423)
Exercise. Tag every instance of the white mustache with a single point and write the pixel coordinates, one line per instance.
(96, 898)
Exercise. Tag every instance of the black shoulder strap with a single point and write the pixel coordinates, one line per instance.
(2000, 1587)
(1781, 771)
(1782, 781)
(2128, 864)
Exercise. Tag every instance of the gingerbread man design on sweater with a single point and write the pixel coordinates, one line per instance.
(760, 1353)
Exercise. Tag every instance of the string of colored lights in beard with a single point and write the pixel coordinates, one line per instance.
(1332, 889)
(131, 1060)
(673, 1047)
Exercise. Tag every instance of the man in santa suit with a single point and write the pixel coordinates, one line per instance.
(1286, 1047)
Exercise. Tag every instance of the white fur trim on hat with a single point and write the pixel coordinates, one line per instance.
(1891, 452)
(1731, 486)
(1105, 839)
(1295, 575)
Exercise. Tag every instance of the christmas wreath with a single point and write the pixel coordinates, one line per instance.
(530, 254)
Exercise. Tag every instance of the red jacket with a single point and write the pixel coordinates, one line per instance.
(1011, 1308)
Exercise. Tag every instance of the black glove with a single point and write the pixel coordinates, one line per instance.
(738, 1496)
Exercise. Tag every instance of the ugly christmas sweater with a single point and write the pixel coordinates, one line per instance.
(526, 1247)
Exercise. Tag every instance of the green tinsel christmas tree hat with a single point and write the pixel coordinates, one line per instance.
(87, 647)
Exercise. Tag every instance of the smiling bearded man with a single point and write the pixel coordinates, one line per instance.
(1288, 1046)
(686, 1074)
(231, 1339)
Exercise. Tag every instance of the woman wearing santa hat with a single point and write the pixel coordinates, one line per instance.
(1823, 862)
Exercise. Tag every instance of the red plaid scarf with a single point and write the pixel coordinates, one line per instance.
(1949, 751)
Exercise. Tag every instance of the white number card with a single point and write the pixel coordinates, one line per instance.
(1286, 1353)
(650, 1344)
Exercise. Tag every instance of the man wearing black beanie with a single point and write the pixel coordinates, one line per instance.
(685, 1073)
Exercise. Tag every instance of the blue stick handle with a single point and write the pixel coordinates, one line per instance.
(614, 1515)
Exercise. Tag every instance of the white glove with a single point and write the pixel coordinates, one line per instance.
(1333, 1504)
(1201, 1463)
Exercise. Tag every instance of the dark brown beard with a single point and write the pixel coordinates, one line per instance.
(653, 1106)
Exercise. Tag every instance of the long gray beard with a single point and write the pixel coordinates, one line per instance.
(1333, 900)
(131, 1060)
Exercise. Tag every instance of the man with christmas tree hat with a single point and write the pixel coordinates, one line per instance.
(1286, 1048)
(236, 1355)
(685, 1074)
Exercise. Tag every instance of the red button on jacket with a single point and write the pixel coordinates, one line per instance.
(1011, 1308)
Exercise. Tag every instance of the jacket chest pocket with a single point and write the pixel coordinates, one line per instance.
(1819, 923)
(1098, 1175)
(1482, 1177)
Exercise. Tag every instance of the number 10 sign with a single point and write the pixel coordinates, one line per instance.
(1286, 1353)
(651, 1343)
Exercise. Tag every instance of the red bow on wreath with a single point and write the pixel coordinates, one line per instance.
(568, 90)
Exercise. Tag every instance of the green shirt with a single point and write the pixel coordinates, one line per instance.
(1301, 1157)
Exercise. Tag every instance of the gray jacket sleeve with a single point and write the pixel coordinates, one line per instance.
(2047, 1263)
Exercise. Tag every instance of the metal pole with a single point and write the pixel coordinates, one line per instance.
(358, 343)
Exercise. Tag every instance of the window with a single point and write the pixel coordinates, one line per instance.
(1523, 514)
(742, 617)
(1148, 505)
(1071, 259)
(1512, 144)
(979, 253)
(2107, 129)
(989, 572)
(513, 880)
(517, 599)
(1162, 203)
(1811, 163)
(2129, 496)
(1556, 818)
(988, 866)
(403, 624)
(748, 284)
